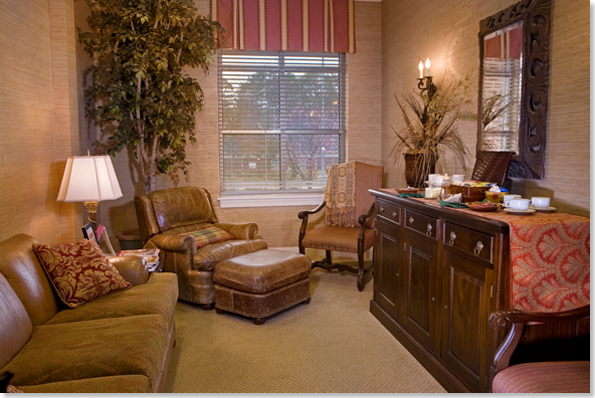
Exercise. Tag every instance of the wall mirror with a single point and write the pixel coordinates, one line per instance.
(513, 85)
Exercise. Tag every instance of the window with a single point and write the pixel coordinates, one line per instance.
(281, 120)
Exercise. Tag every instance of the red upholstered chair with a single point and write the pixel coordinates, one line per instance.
(536, 377)
(348, 219)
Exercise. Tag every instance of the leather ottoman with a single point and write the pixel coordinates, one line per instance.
(262, 283)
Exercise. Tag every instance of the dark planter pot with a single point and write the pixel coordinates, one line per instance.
(416, 172)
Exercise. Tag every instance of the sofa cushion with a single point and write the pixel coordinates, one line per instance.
(111, 384)
(207, 257)
(79, 271)
(157, 296)
(207, 236)
(134, 345)
(20, 266)
(15, 325)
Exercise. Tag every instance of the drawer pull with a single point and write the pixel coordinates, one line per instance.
(381, 209)
(394, 214)
(453, 236)
(429, 230)
(478, 248)
(411, 220)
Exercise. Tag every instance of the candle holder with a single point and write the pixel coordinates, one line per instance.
(426, 84)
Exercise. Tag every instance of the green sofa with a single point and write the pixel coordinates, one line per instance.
(117, 343)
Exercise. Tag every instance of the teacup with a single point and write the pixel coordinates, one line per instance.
(435, 178)
(458, 178)
(520, 204)
(508, 198)
(540, 202)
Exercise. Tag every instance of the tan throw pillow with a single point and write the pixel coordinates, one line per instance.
(79, 271)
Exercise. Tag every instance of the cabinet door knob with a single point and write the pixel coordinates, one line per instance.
(478, 248)
(445, 307)
(394, 214)
(453, 236)
(381, 209)
(411, 220)
(429, 230)
(433, 298)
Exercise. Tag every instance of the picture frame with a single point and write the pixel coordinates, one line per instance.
(90, 233)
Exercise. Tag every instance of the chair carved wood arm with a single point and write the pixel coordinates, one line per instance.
(516, 320)
(303, 215)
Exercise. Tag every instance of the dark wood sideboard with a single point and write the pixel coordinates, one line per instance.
(438, 275)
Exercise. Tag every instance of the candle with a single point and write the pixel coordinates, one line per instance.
(421, 70)
(428, 67)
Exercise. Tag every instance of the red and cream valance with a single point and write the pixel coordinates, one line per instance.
(287, 25)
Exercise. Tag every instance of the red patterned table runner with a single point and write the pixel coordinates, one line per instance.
(550, 257)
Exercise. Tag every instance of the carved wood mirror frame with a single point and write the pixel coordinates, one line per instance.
(529, 162)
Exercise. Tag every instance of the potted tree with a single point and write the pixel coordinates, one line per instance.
(138, 92)
(432, 130)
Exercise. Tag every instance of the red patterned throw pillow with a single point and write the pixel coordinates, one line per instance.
(79, 271)
(210, 235)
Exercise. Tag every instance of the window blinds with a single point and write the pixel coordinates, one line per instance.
(281, 120)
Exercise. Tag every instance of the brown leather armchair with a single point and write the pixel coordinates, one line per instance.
(164, 216)
(562, 365)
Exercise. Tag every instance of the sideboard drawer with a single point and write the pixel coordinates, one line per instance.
(389, 211)
(421, 223)
(476, 243)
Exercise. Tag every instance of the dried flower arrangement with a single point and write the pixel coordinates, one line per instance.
(433, 130)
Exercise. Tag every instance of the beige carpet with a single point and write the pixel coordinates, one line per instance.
(332, 345)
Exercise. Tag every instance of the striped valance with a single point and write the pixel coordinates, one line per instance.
(287, 25)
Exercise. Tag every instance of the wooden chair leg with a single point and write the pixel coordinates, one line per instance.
(258, 321)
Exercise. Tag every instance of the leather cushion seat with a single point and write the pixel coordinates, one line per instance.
(337, 238)
(134, 345)
(158, 296)
(262, 271)
(544, 377)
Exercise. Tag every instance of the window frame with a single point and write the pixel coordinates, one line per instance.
(279, 196)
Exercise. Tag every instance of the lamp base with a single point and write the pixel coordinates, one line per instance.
(92, 210)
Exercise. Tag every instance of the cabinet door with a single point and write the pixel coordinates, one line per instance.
(420, 288)
(466, 305)
(387, 261)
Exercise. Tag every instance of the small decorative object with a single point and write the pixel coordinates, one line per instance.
(89, 232)
(433, 130)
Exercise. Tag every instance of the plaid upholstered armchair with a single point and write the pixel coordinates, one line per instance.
(348, 220)
(182, 224)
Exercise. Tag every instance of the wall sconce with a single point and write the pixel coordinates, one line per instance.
(89, 179)
(425, 82)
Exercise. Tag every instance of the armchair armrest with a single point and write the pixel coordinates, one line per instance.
(500, 320)
(132, 268)
(175, 243)
(246, 231)
(303, 215)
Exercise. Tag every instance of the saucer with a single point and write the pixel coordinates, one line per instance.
(519, 212)
(543, 209)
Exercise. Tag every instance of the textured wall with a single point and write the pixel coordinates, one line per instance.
(446, 32)
(277, 225)
(36, 114)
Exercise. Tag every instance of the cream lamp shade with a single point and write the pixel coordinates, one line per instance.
(89, 179)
